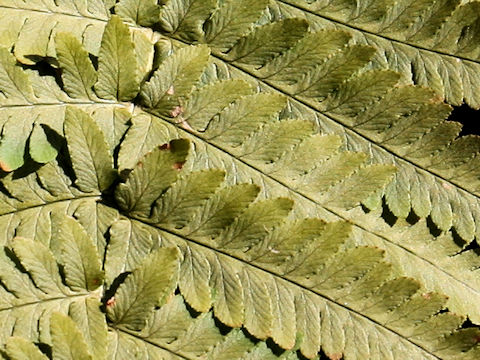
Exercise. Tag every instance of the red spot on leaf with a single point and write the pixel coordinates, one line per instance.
(165, 147)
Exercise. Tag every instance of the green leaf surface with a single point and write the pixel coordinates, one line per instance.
(68, 342)
(146, 287)
(168, 93)
(151, 177)
(144, 13)
(83, 269)
(89, 151)
(78, 73)
(117, 63)
(231, 21)
(260, 46)
(280, 213)
(18, 348)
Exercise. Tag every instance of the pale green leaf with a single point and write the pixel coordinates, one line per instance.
(210, 100)
(44, 144)
(340, 295)
(90, 156)
(150, 177)
(165, 94)
(13, 144)
(177, 205)
(82, 265)
(194, 280)
(41, 265)
(141, 12)
(221, 209)
(117, 63)
(185, 17)
(68, 342)
(78, 73)
(18, 348)
(261, 45)
(244, 117)
(90, 320)
(142, 137)
(231, 21)
(146, 287)
(258, 318)
(14, 83)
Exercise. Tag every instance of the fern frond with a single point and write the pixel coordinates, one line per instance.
(431, 43)
(306, 164)
(228, 132)
(245, 252)
(233, 263)
(347, 97)
(366, 107)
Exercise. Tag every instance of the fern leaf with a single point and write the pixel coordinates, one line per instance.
(231, 259)
(143, 289)
(252, 253)
(184, 71)
(192, 14)
(89, 152)
(117, 63)
(67, 341)
(334, 272)
(30, 26)
(149, 177)
(408, 112)
(20, 349)
(78, 74)
(82, 263)
(91, 323)
(144, 13)
(428, 39)
(231, 21)
(259, 46)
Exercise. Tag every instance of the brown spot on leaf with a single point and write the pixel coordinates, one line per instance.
(140, 165)
(165, 146)
(178, 165)
(178, 110)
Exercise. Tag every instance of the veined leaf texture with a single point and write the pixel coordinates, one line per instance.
(238, 179)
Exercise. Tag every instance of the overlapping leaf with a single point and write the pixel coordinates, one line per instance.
(32, 107)
(295, 281)
(321, 74)
(255, 136)
(255, 268)
(431, 43)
